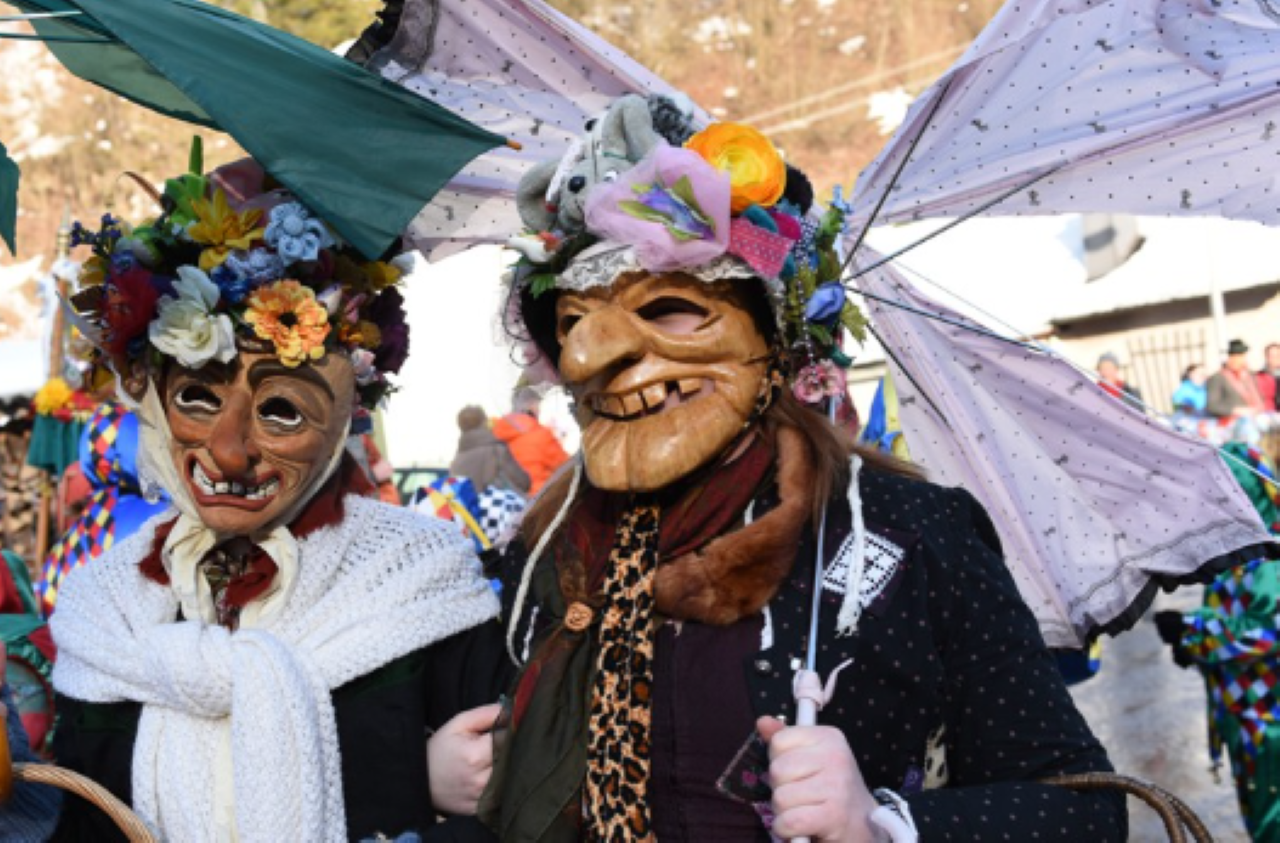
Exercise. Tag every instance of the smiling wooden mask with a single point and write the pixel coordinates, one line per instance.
(666, 370)
(252, 436)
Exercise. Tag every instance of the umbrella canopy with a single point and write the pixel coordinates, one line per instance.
(1096, 504)
(517, 67)
(364, 154)
(8, 200)
(1147, 106)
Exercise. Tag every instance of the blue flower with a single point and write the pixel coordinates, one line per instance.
(257, 265)
(295, 234)
(825, 305)
(232, 286)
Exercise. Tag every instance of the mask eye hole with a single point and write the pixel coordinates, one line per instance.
(280, 411)
(673, 315)
(567, 323)
(197, 396)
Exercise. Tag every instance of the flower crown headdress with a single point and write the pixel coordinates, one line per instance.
(231, 262)
(718, 203)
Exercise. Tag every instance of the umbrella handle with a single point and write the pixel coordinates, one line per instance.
(806, 715)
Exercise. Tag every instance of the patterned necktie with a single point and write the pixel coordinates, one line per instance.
(618, 750)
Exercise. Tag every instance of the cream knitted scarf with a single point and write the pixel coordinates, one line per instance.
(382, 584)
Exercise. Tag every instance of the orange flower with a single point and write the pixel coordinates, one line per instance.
(757, 174)
(288, 314)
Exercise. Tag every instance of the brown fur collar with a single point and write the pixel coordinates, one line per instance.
(735, 575)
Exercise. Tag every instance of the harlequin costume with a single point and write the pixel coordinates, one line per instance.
(262, 660)
(116, 507)
(685, 290)
(1234, 640)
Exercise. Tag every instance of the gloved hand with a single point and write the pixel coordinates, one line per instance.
(1169, 626)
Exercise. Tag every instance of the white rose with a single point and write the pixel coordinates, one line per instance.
(187, 329)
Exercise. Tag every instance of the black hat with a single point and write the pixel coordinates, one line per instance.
(1237, 347)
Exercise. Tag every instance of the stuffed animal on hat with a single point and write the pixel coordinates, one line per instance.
(552, 195)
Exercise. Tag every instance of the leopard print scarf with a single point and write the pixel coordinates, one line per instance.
(618, 750)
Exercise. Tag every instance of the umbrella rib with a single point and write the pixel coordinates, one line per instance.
(61, 39)
(975, 329)
(985, 206)
(70, 13)
(897, 174)
(894, 357)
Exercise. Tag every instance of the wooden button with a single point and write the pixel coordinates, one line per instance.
(578, 617)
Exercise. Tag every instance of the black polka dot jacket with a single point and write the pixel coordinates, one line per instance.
(951, 699)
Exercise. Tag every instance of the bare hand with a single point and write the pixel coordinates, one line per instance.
(460, 759)
(818, 791)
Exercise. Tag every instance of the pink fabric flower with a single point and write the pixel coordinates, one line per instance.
(823, 379)
(677, 234)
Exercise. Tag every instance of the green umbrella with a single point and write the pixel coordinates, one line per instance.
(8, 199)
(363, 153)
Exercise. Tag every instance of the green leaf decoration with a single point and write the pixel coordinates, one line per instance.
(854, 321)
(542, 283)
(820, 334)
(641, 211)
(683, 190)
(183, 191)
(195, 160)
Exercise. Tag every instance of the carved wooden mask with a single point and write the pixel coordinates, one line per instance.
(251, 436)
(665, 371)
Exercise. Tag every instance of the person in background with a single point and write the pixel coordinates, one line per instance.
(1109, 379)
(533, 445)
(1235, 399)
(483, 458)
(1269, 376)
(1190, 396)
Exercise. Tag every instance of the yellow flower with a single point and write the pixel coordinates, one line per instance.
(757, 173)
(53, 396)
(287, 314)
(93, 271)
(364, 334)
(381, 275)
(222, 229)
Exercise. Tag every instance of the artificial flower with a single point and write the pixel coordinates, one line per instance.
(295, 234)
(233, 287)
(681, 218)
(674, 207)
(362, 363)
(362, 333)
(381, 275)
(53, 396)
(187, 328)
(387, 312)
(826, 304)
(331, 299)
(287, 314)
(93, 271)
(816, 381)
(756, 170)
(258, 266)
(221, 229)
(128, 308)
(532, 246)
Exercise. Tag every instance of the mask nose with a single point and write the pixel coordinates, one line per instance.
(231, 443)
(577, 183)
(601, 339)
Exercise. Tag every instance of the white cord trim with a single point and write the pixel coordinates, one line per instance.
(851, 606)
(894, 817)
(526, 576)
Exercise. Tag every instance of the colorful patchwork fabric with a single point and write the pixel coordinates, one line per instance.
(108, 455)
(1236, 640)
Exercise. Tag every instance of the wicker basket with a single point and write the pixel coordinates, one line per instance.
(128, 822)
(1177, 815)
